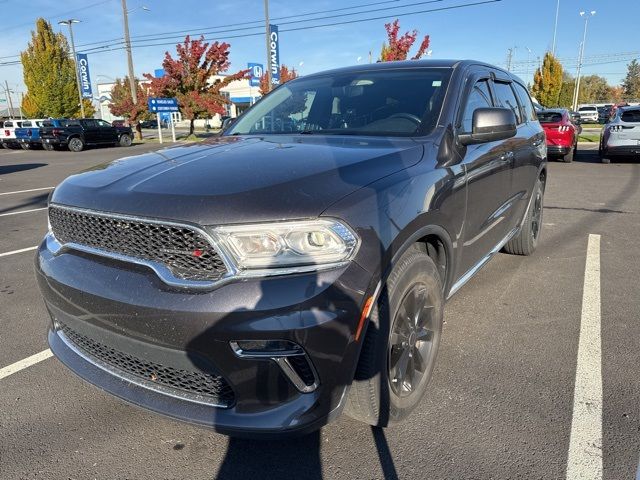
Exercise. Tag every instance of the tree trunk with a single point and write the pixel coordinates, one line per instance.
(191, 126)
(139, 131)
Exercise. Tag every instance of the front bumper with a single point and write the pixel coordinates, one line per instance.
(126, 309)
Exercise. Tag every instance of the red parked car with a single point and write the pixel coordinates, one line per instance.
(562, 134)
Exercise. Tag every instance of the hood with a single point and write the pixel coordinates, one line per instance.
(239, 179)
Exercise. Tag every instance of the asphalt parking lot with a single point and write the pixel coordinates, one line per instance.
(517, 339)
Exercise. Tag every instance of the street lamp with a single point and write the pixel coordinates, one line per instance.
(555, 29)
(528, 60)
(576, 91)
(69, 23)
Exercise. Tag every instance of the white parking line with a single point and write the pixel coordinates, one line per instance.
(585, 444)
(13, 252)
(22, 211)
(25, 363)
(27, 191)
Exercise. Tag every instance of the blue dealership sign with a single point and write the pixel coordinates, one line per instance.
(274, 54)
(82, 63)
(159, 105)
(255, 73)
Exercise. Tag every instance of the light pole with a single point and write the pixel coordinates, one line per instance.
(267, 33)
(528, 60)
(127, 45)
(69, 23)
(9, 102)
(555, 30)
(576, 91)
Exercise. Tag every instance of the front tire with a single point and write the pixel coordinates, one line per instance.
(401, 343)
(526, 240)
(48, 147)
(75, 144)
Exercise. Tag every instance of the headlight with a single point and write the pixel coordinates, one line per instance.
(311, 244)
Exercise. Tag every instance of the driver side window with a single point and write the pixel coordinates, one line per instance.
(480, 97)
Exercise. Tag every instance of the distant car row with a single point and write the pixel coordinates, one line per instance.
(619, 137)
(58, 134)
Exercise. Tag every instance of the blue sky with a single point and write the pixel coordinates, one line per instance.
(483, 32)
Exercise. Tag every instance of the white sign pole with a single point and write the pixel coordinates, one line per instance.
(159, 127)
(173, 128)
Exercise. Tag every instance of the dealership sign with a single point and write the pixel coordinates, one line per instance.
(160, 105)
(83, 72)
(274, 54)
(256, 70)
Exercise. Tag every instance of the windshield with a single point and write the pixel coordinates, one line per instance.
(383, 102)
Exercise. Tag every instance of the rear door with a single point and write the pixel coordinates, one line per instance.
(488, 172)
(108, 134)
(91, 131)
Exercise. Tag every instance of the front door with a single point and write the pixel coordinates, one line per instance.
(488, 168)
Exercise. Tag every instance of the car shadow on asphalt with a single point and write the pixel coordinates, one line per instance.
(34, 201)
(6, 169)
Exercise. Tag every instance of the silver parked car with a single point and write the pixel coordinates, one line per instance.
(621, 136)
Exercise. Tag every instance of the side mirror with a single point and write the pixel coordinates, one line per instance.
(227, 122)
(490, 125)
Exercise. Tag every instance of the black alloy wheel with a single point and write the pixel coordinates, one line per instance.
(411, 351)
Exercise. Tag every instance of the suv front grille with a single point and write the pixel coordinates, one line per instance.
(211, 388)
(183, 250)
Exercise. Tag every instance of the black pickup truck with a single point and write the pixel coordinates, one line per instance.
(76, 134)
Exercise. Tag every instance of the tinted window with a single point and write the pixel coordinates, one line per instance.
(480, 97)
(525, 102)
(587, 109)
(388, 102)
(632, 116)
(89, 123)
(506, 98)
(550, 117)
(26, 123)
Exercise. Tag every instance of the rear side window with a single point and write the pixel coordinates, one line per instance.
(480, 97)
(506, 98)
(525, 102)
(26, 124)
(631, 116)
(550, 117)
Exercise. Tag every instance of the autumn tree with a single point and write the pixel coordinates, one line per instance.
(49, 74)
(397, 47)
(631, 83)
(122, 103)
(191, 78)
(285, 76)
(547, 81)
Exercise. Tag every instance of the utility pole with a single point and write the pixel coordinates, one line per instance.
(555, 29)
(69, 23)
(127, 44)
(6, 83)
(509, 59)
(267, 34)
(576, 91)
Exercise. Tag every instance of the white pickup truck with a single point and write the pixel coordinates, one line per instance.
(8, 133)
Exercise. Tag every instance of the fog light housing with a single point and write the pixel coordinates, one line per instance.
(266, 348)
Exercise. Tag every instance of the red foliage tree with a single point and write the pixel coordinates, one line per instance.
(285, 76)
(397, 47)
(122, 104)
(189, 78)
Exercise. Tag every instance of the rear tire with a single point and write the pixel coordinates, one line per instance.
(25, 146)
(125, 140)
(568, 158)
(75, 144)
(48, 147)
(526, 240)
(400, 344)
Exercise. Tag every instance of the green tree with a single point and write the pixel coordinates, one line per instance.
(547, 81)
(565, 99)
(631, 83)
(49, 74)
(593, 89)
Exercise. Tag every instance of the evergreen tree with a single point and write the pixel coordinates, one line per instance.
(631, 83)
(49, 75)
(547, 81)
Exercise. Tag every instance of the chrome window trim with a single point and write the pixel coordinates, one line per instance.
(170, 392)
